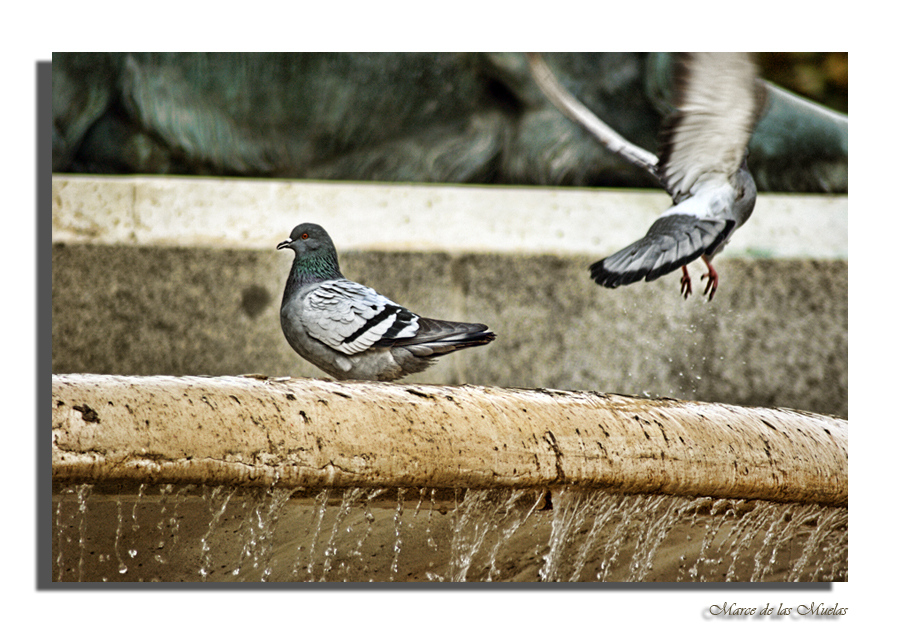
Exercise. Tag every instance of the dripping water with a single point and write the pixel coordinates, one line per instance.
(507, 533)
(349, 499)
(217, 499)
(123, 567)
(398, 541)
(468, 535)
(321, 506)
(257, 531)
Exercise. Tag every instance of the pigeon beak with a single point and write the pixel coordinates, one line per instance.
(284, 245)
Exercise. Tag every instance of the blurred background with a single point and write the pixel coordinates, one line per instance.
(416, 117)
(821, 77)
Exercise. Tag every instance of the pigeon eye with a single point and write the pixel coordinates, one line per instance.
(304, 236)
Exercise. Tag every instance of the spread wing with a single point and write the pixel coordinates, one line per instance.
(576, 111)
(353, 318)
(718, 101)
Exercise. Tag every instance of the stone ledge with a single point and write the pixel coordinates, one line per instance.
(292, 433)
(257, 214)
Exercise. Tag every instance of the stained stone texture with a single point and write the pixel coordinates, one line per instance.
(775, 335)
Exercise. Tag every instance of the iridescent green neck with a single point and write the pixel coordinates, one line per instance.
(311, 269)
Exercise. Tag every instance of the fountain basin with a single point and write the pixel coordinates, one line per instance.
(307, 432)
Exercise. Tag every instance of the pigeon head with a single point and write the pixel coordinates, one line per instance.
(308, 238)
(315, 257)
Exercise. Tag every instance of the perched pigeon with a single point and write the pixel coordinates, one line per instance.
(718, 101)
(349, 330)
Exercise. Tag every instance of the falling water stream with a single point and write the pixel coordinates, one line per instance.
(204, 533)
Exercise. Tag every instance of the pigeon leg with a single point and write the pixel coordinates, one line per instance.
(685, 282)
(713, 282)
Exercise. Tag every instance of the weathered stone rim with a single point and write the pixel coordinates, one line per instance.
(255, 431)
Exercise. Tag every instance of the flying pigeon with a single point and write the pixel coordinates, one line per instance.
(349, 330)
(702, 165)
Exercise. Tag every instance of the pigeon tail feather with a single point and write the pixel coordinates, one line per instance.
(672, 241)
(437, 337)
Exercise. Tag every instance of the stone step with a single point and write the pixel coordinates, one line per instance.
(257, 214)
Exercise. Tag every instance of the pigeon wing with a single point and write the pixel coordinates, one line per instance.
(718, 101)
(353, 318)
(571, 107)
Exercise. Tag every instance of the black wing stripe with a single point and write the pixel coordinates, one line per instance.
(388, 311)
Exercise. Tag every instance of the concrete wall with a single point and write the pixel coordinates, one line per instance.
(180, 276)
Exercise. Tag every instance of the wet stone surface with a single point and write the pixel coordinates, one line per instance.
(218, 534)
